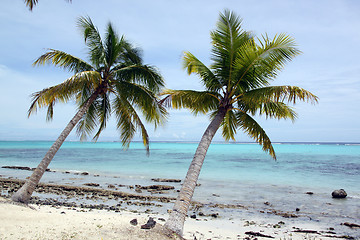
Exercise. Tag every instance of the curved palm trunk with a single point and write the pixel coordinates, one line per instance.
(23, 195)
(176, 219)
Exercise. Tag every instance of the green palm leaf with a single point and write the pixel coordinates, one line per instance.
(145, 75)
(128, 121)
(63, 60)
(196, 101)
(193, 65)
(255, 131)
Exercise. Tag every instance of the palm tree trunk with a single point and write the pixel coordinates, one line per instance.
(23, 195)
(176, 219)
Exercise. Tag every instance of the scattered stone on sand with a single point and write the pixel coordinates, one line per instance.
(150, 224)
(92, 184)
(23, 168)
(134, 222)
(165, 180)
(309, 193)
(157, 187)
(305, 231)
(340, 193)
(351, 225)
(85, 173)
(257, 234)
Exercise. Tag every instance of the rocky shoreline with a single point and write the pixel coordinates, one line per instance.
(150, 199)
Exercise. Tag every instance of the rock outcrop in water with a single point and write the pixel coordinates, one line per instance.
(339, 193)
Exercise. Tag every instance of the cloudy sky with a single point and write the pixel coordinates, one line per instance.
(327, 32)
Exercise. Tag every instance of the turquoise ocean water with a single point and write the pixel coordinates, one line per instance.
(233, 173)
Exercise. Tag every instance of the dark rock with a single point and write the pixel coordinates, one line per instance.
(23, 168)
(63, 213)
(134, 222)
(339, 193)
(111, 186)
(297, 209)
(257, 234)
(267, 203)
(162, 219)
(309, 193)
(193, 216)
(306, 231)
(201, 214)
(165, 180)
(92, 184)
(214, 215)
(67, 172)
(158, 187)
(150, 224)
(215, 195)
(351, 225)
(84, 173)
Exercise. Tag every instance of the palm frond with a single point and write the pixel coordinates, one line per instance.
(279, 94)
(32, 3)
(112, 46)
(128, 121)
(229, 126)
(63, 60)
(196, 101)
(93, 40)
(144, 100)
(226, 40)
(194, 65)
(255, 131)
(88, 122)
(256, 65)
(145, 75)
(103, 112)
(63, 92)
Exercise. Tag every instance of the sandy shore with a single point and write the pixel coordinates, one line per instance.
(90, 212)
(46, 222)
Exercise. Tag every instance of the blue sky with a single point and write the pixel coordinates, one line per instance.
(326, 31)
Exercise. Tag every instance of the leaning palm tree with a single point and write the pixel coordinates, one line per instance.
(115, 81)
(31, 3)
(237, 88)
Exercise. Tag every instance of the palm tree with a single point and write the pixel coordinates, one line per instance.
(116, 81)
(31, 3)
(237, 88)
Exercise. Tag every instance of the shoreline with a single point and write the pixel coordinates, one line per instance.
(203, 222)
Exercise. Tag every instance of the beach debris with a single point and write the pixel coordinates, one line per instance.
(92, 184)
(150, 224)
(351, 225)
(257, 234)
(342, 236)
(134, 222)
(165, 180)
(340, 193)
(298, 230)
(157, 187)
(23, 168)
